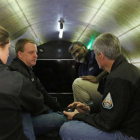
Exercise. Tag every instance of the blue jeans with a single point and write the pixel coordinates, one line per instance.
(42, 124)
(78, 130)
(28, 126)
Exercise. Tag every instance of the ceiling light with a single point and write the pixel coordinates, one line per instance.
(60, 33)
(61, 28)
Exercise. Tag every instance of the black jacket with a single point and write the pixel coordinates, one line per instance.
(35, 98)
(10, 112)
(120, 107)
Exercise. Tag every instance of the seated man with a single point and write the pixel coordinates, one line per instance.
(118, 115)
(35, 101)
(85, 87)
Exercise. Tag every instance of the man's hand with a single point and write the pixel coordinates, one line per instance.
(80, 107)
(70, 114)
(90, 78)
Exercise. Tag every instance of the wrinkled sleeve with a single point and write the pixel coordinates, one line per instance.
(111, 117)
(48, 99)
(30, 99)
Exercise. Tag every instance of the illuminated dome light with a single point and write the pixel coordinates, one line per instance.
(61, 28)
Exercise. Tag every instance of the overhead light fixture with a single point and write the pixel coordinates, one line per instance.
(61, 21)
(60, 33)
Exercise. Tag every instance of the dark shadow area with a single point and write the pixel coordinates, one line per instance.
(48, 138)
(56, 76)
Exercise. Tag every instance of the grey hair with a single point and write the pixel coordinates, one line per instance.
(108, 44)
(75, 43)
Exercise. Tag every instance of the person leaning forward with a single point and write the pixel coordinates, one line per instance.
(118, 116)
(85, 87)
(36, 103)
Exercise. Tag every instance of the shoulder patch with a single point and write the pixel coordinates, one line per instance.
(91, 68)
(107, 102)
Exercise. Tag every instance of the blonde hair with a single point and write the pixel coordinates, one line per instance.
(21, 43)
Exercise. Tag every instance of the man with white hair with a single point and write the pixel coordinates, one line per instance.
(118, 116)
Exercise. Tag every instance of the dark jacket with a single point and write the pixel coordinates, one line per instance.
(90, 66)
(10, 112)
(35, 98)
(120, 107)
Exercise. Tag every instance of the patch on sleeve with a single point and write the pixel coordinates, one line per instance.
(107, 102)
(91, 68)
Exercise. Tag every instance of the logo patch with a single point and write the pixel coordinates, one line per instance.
(91, 68)
(107, 102)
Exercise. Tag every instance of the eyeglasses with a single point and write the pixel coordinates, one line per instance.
(77, 51)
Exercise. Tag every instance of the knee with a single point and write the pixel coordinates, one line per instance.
(76, 82)
(70, 130)
(61, 119)
(57, 119)
(64, 131)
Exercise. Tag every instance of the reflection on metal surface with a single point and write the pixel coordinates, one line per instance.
(38, 20)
